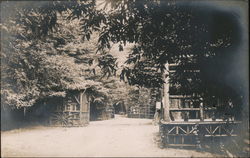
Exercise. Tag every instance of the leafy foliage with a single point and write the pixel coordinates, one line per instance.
(37, 44)
(43, 54)
(176, 32)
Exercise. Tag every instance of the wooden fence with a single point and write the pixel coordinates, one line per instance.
(141, 112)
(197, 133)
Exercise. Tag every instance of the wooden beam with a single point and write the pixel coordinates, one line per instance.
(184, 145)
(88, 100)
(173, 64)
(80, 102)
(201, 110)
(184, 109)
(179, 96)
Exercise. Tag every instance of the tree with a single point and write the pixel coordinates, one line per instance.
(161, 31)
(194, 36)
(43, 54)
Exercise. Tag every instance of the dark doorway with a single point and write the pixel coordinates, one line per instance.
(119, 108)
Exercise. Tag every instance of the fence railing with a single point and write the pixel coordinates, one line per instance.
(140, 112)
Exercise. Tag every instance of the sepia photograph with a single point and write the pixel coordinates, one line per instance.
(124, 78)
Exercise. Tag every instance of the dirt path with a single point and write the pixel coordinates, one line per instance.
(117, 137)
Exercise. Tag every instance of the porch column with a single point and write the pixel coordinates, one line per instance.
(201, 110)
(166, 104)
(81, 108)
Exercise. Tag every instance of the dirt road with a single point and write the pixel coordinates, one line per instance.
(117, 137)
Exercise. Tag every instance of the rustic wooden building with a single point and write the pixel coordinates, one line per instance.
(72, 110)
(188, 121)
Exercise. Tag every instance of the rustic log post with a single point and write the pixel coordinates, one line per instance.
(197, 136)
(88, 100)
(201, 110)
(81, 102)
(166, 93)
(162, 136)
(24, 111)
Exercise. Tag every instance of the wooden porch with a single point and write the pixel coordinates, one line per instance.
(190, 121)
(196, 133)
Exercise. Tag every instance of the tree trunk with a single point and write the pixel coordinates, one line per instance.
(166, 104)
